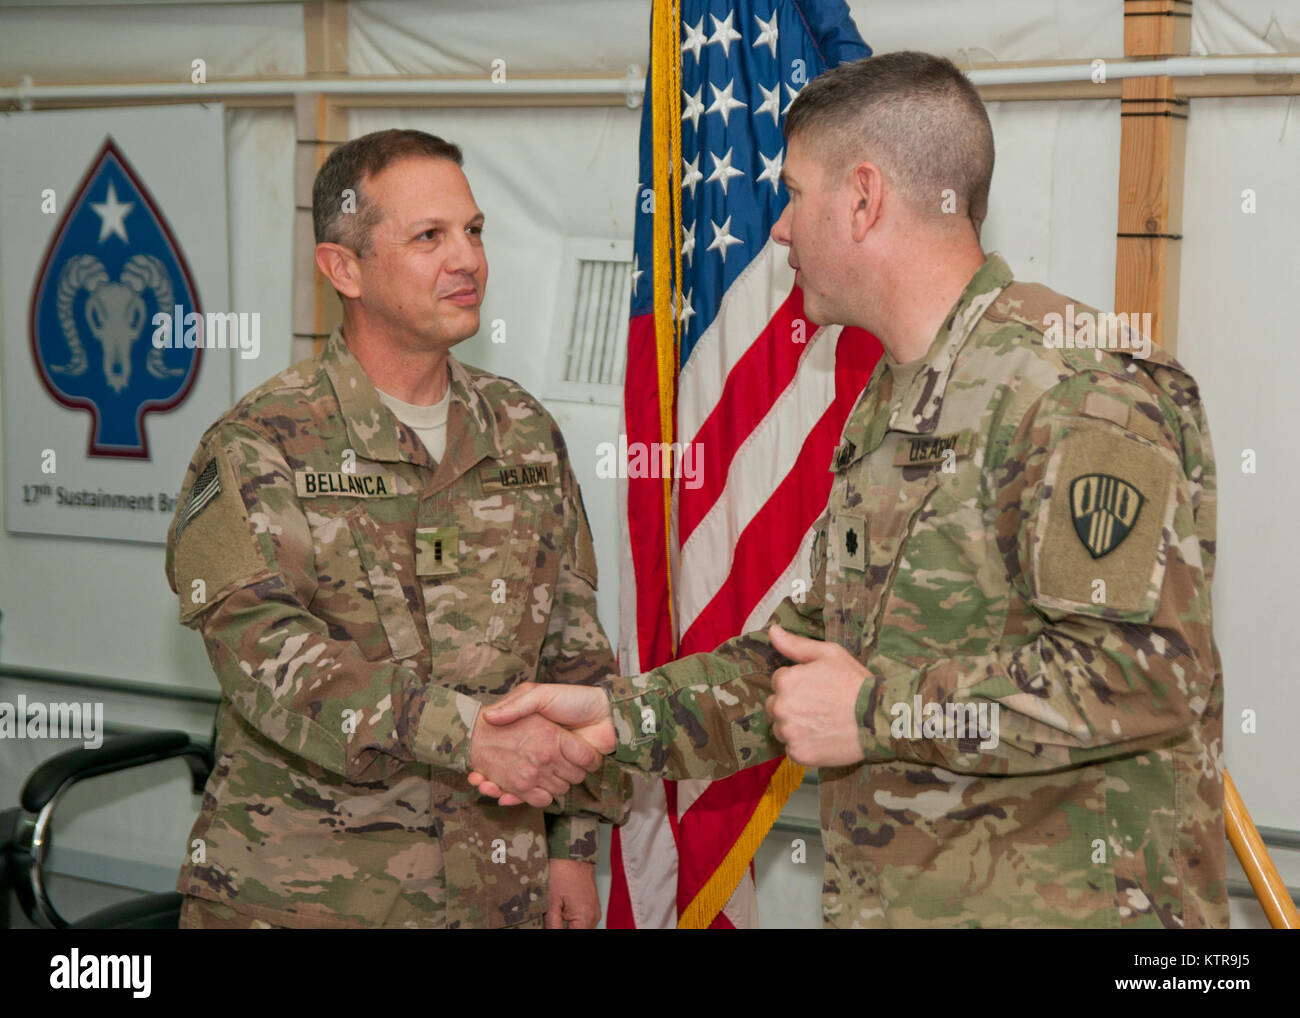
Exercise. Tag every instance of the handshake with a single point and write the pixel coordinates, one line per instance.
(539, 740)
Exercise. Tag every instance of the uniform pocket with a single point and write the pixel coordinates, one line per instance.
(382, 566)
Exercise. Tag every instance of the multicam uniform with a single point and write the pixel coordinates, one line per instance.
(359, 602)
(1013, 526)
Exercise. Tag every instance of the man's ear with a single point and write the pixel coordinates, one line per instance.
(340, 266)
(867, 198)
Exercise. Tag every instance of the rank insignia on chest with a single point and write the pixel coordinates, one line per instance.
(507, 477)
(850, 535)
(437, 551)
(1104, 509)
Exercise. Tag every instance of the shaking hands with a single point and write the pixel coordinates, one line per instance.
(537, 741)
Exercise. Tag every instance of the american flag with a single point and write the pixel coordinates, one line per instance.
(756, 395)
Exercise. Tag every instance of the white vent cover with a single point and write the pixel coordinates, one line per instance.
(589, 350)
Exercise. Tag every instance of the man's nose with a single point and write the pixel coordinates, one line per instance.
(781, 228)
(466, 255)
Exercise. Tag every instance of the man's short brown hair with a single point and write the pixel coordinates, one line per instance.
(348, 166)
(913, 114)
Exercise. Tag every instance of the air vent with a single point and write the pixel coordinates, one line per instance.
(591, 313)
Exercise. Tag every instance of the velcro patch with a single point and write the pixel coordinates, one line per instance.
(321, 483)
(849, 531)
(437, 551)
(207, 486)
(1099, 534)
(517, 475)
(926, 450)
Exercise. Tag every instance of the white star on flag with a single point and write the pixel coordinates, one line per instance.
(637, 273)
(767, 33)
(771, 169)
(723, 102)
(694, 107)
(687, 310)
(722, 238)
(112, 215)
(724, 33)
(692, 176)
(688, 241)
(723, 171)
(694, 38)
(771, 103)
(793, 93)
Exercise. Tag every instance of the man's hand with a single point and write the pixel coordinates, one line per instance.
(532, 759)
(583, 709)
(572, 896)
(812, 705)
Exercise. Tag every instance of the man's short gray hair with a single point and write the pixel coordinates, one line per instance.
(346, 169)
(913, 114)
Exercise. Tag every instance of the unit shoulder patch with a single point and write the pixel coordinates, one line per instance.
(1100, 535)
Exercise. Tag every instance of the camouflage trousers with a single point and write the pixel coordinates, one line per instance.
(201, 914)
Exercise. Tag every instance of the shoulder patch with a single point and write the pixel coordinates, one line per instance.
(216, 550)
(1101, 532)
(207, 486)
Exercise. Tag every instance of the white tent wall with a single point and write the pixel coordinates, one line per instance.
(542, 175)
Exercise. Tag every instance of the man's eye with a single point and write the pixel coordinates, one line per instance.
(477, 231)
(430, 233)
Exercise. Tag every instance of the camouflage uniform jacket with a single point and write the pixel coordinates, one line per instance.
(358, 603)
(1022, 527)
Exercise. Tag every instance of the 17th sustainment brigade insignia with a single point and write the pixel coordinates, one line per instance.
(1104, 509)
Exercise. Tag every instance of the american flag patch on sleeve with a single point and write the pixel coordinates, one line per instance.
(207, 486)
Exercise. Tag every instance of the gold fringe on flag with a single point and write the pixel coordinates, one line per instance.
(713, 896)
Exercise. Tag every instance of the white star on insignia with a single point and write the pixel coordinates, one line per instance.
(637, 273)
(694, 38)
(724, 33)
(687, 311)
(793, 93)
(723, 102)
(772, 169)
(771, 103)
(723, 171)
(767, 32)
(694, 107)
(722, 238)
(688, 241)
(692, 176)
(112, 215)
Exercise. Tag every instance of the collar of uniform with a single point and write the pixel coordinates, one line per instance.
(376, 433)
(917, 409)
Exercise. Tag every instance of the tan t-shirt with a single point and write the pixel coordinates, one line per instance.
(429, 422)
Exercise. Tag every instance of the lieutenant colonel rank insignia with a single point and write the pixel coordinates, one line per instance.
(1104, 509)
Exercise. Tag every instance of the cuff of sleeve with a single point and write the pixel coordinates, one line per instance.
(575, 838)
(442, 737)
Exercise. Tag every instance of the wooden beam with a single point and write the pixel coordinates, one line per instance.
(1153, 132)
(321, 123)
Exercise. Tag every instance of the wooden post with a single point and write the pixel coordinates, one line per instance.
(321, 124)
(1153, 130)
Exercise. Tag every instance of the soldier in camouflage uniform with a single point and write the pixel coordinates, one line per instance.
(1017, 709)
(361, 597)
